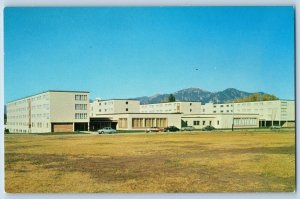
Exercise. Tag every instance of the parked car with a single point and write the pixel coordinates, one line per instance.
(208, 128)
(171, 129)
(106, 130)
(188, 128)
(275, 127)
(153, 129)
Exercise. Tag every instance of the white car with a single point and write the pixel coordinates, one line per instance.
(188, 128)
(107, 130)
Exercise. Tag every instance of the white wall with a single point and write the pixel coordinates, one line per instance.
(172, 107)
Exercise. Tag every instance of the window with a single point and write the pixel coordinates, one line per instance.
(218, 122)
(80, 106)
(196, 122)
(80, 97)
(221, 105)
(190, 104)
(203, 122)
(209, 122)
(126, 102)
(190, 110)
(126, 109)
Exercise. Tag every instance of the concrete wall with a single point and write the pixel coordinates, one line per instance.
(36, 113)
(102, 107)
(172, 119)
(30, 114)
(63, 107)
(277, 110)
(222, 121)
(172, 107)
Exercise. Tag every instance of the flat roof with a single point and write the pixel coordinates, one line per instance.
(47, 92)
(139, 114)
(116, 99)
(206, 114)
(248, 102)
(172, 102)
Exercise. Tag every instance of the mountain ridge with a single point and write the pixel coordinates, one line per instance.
(197, 95)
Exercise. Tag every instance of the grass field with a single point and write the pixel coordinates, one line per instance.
(174, 162)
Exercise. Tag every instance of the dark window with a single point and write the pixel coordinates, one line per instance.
(190, 104)
(203, 122)
(221, 105)
(190, 110)
(218, 122)
(196, 122)
(126, 109)
(209, 122)
(126, 102)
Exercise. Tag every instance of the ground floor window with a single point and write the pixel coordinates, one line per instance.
(137, 122)
(245, 121)
(123, 123)
(149, 122)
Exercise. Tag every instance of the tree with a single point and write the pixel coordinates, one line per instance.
(5, 118)
(257, 97)
(171, 98)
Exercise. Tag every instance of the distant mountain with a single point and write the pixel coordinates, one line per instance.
(197, 94)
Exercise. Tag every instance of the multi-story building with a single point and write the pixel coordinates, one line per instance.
(66, 111)
(136, 121)
(221, 121)
(103, 107)
(277, 112)
(50, 111)
(172, 107)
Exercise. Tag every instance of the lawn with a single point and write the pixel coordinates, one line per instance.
(162, 162)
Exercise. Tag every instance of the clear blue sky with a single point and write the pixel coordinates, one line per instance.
(129, 52)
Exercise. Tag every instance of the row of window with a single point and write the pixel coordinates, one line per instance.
(197, 122)
(149, 122)
(245, 121)
(80, 115)
(80, 106)
(39, 97)
(40, 115)
(123, 123)
(33, 124)
(34, 107)
(111, 109)
(80, 97)
(109, 103)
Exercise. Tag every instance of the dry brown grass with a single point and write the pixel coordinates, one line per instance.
(177, 162)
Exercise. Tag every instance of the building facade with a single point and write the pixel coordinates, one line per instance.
(67, 111)
(50, 111)
(137, 121)
(103, 107)
(277, 112)
(221, 121)
(172, 107)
